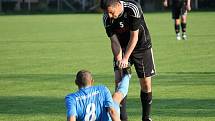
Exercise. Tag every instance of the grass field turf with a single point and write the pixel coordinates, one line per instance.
(40, 54)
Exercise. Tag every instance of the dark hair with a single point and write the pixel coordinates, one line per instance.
(82, 78)
(104, 4)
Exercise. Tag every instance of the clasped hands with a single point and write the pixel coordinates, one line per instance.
(122, 63)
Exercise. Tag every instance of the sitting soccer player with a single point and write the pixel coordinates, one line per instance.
(93, 103)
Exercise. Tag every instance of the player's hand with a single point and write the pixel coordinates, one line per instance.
(165, 4)
(123, 63)
(188, 7)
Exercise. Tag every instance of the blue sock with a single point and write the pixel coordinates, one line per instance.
(116, 107)
(124, 84)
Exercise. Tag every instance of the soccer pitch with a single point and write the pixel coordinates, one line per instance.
(40, 54)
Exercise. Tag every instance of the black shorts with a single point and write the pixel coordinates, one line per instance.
(143, 62)
(178, 8)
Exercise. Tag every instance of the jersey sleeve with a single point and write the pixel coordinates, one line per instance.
(134, 14)
(107, 25)
(70, 106)
(135, 23)
(108, 98)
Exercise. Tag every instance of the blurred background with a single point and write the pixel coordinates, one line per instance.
(85, 5)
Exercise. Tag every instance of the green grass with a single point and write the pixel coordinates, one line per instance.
(40, 54)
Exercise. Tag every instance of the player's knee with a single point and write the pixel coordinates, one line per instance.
(145, 84)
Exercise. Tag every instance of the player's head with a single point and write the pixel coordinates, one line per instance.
(112, 7)
(83, 78)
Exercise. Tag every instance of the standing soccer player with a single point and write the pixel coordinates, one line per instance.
(179, 9)
(131, 43)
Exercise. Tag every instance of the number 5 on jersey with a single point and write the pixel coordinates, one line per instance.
(121, 24)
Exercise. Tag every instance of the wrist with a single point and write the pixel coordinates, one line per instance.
(118, 59)
(126, 57)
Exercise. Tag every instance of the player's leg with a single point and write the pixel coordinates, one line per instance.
(123, 88)
(119, 97)
(123, 111)
(144, 65)
(117, 107)
(146, 97)
(122, 78)
(183, 26)
(122, 83)
(184, 21)
(176, 18)
(177, 28)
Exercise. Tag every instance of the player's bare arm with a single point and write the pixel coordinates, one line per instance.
(113, 114)
(131, 45)
(116, 48)
(117, 52)
(188, 5)
(165, 3)
(71, 118)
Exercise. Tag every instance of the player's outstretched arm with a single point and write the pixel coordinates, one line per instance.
(113, 114)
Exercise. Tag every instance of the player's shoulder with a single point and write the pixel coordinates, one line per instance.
(71, 96)
(129, 1)
(132, 7)
(105, 19)
(105, 16)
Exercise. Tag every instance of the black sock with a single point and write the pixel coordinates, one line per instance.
(177, 28)
(123, 113)
(146, 100)
(183, 26)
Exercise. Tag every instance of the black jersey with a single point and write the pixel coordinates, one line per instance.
(130, 19)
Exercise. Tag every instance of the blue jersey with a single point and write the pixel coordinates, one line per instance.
(89, 104)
